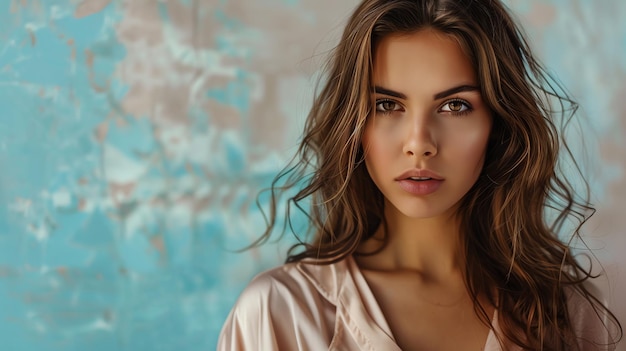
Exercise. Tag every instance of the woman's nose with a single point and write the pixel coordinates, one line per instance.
(419, 141)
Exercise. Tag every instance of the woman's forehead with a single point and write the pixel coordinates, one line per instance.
(427, 59)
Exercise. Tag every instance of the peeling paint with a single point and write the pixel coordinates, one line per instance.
(135, 136)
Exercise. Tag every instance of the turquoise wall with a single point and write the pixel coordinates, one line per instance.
(135, 135)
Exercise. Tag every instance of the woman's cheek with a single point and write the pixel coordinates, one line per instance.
(471, 145)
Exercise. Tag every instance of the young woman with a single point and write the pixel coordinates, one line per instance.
(430, 160)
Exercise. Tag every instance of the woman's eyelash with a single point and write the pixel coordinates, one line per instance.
(381, 109)
(466, 107)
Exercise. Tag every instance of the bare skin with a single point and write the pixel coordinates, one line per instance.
(419, 124)
(424, 312)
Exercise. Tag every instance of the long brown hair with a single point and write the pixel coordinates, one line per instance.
(509, 244)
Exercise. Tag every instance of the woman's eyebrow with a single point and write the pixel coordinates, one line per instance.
(384, 91)
(458, 89)
(441, 95)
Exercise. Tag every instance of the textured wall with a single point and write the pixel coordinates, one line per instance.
(135, 134)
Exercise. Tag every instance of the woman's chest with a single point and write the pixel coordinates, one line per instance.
(436, 328)
(422, 319)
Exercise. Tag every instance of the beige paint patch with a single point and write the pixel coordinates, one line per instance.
(541, 14)
(97, 87)
(101, 131)
(90, 7)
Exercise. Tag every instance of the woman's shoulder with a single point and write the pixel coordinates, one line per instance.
(285, 306)
(590, 318)
(296, 280)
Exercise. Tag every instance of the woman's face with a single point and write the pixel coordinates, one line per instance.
(425, 142)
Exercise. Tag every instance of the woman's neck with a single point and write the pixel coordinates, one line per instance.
(429, 247)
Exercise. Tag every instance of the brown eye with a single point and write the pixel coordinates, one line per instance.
(386, 106)
(456, 107)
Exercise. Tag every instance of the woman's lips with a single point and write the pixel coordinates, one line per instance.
(420, 187)
(419, 173)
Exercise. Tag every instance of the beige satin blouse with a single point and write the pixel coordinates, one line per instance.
(301, 306)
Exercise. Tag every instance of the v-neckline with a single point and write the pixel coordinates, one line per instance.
(376, 316)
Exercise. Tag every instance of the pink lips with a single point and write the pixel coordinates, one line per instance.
(419, 187)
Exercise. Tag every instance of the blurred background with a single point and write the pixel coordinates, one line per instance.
(136, 134)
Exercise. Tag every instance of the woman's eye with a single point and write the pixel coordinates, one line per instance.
(386, 106)
(455, 106)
